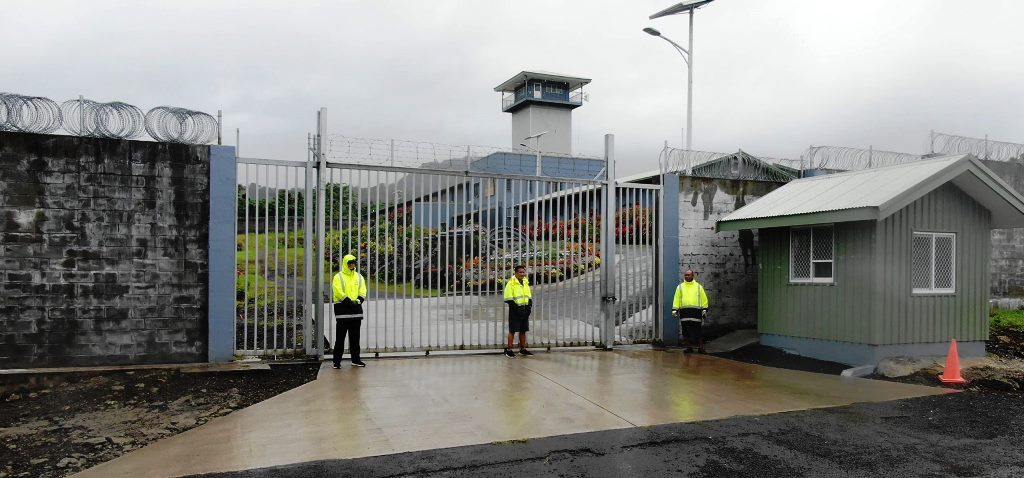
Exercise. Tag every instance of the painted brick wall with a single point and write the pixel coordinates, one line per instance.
(1007, 267)
(103, 251)
(725, 262)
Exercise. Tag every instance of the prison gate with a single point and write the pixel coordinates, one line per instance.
(436, 244)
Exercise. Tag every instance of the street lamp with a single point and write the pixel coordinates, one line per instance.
(688, 6)
(536, 187)
(536, 148)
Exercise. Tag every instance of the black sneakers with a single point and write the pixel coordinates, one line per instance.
(509, 353)
(337, 365)
(525, 352)
(358, 363)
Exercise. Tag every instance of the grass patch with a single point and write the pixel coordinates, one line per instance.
(407, 289)
(1007, 319)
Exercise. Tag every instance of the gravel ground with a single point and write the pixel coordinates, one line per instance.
(60, 430)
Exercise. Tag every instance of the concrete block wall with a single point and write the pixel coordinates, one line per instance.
(103, 251)
(1007, 263)
(725, 262)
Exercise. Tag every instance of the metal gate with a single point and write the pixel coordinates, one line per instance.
(436, 245)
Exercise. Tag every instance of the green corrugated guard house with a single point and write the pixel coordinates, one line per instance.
(859, 266)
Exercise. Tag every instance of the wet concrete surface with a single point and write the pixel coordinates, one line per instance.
(961, 434)
(416, 404)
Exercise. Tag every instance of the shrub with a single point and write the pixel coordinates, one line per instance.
(1009, 319)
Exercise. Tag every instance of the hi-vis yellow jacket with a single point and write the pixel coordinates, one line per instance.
(518, 292)
(348, 284)
(689, 294)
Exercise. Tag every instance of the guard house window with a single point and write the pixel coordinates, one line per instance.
(932, 259)
(476, 190)
(553, 89)
(810, 254)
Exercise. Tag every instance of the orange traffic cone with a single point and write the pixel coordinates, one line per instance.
(952, 372)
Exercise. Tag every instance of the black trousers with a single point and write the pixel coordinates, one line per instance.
(692, 332)
(342, 328)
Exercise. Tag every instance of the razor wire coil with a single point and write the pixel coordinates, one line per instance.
(29, 114)
(982, 148)
(843, 158)
(112, 120)
(180, 125)
(115, 120)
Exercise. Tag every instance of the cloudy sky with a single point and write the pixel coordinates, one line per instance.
(771, 77)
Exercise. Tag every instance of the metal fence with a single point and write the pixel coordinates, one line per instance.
(83, 117)
(436, 245)
(273, 282)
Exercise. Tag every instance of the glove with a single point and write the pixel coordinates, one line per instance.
(360, 300)
(704, 313)
(346, 300)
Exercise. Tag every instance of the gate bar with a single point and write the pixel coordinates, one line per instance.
(608, 240)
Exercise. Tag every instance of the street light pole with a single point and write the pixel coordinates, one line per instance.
(689, 89)
(536, 182)
(536, 148)
(687, 6)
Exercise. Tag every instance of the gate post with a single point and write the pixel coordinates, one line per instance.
(222, 267)
(608, 246)
(308, 309)
(321, 232)
(669, 255)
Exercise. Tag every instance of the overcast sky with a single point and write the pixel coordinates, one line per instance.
(771, 77)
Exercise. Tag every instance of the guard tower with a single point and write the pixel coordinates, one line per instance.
(542, 101)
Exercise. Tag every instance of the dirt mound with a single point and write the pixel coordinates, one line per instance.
(1005, 342)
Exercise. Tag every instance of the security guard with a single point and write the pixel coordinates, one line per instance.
(690, 305)
(349, 293)
(520, 304)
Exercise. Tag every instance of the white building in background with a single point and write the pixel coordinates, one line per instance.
(542, 101)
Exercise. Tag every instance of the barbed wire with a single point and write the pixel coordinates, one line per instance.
(843, 158)
(115, 120)
(738, 165)
(29, 114)
(437, 156)
(180, 125)
(982, 148)
(102, 120)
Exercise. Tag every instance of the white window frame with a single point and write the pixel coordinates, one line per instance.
(934, 290)
(810, 253)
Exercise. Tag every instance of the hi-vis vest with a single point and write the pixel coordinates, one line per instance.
(690, 294)
(518, 292)
(351, 285)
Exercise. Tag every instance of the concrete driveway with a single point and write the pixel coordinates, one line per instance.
(411, 404)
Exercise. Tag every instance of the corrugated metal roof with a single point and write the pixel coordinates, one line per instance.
(521, 77)
(876, 193)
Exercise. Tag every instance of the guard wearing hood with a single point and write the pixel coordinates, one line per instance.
(349, 293)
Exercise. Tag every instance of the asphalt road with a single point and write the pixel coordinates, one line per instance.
(959, 434)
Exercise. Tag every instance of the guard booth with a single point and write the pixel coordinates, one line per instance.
(884, 262)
